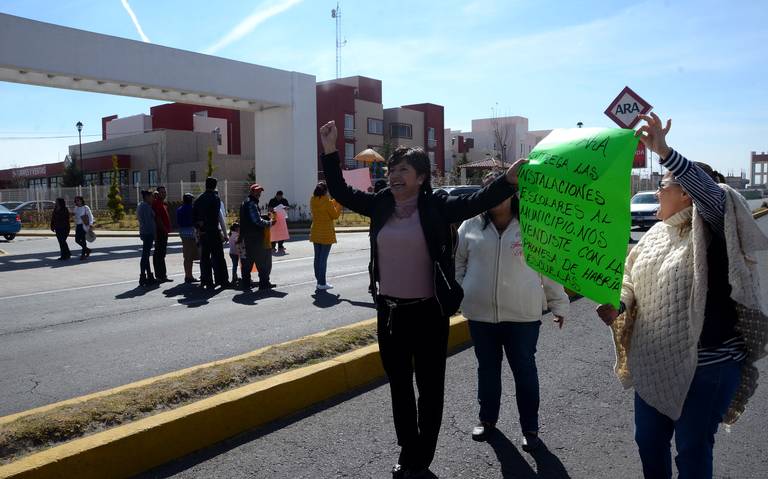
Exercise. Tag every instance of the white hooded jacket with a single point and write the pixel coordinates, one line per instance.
(498, 284)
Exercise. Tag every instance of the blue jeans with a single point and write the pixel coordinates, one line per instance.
(321, 261)
(518, 341)
(146, 250)
(707, 401)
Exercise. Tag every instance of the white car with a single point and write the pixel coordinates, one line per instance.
(643, 208)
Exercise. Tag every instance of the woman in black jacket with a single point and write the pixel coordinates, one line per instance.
(60, 226)
(413, 282)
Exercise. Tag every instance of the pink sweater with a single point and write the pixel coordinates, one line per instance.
(405, 267)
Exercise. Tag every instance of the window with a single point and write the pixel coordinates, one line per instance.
(55, 181)
(431, 142)
(431, 155)
(152, 177)
(375, 126)
(349, 155)
(90, 179)
(136, 178)
(37, 183)
(349, 126)
(400, 130)
(193, 176)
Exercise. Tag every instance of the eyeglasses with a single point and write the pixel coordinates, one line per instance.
(665, 183)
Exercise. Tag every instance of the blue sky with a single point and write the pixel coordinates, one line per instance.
(555, 62)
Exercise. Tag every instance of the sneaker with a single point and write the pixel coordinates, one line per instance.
(482, 431)
(531, 441)
(323, 287)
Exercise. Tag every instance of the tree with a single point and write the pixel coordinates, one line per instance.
(211, 168)
(502, 132)
(72, 176)
(115, 200)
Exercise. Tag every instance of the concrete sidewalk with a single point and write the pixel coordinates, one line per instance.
(586, 423)
(135, 234)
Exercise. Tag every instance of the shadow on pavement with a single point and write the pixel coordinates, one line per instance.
(324, 299)
(251, 298)
(192, 294)
(138, 291)
(514, 465)
(16, 262)
(192, 460)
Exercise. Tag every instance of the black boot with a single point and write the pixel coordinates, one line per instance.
(142, 280)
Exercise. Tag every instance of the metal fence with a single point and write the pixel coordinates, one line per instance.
(232, 193)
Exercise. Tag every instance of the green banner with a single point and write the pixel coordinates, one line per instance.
(574, 209)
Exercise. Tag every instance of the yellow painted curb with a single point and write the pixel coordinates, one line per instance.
(141, 445)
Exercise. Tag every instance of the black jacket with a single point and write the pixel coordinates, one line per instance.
(252, 231)
(205, 212)
(436, 211)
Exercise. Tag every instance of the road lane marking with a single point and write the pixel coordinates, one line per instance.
(92, 286)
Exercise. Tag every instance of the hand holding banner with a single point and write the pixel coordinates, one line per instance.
(574, 209)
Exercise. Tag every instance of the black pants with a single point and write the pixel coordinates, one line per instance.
(212, 259)
(279, 245)
(255, 252)
(146, 249)
(414, 339)
(61, 236)
(80, 238)
(158, 258)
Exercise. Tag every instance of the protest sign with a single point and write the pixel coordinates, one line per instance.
(574, 209)
(359, 178)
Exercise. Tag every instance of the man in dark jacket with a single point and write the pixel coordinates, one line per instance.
(253, 228)
(212, 229)
(163, 225)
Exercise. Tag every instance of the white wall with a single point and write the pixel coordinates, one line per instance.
(286, 144)
(205, 124)
(130, 125)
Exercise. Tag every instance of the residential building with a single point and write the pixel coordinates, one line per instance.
(758, 167)
(356, 104)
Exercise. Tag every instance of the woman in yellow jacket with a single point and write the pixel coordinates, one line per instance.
(322, 233)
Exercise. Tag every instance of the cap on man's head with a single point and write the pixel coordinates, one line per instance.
(255, 188)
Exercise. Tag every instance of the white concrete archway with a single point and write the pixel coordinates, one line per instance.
(283, 103)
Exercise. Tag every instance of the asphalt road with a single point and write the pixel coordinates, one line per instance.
(586, 424)
(72, 328)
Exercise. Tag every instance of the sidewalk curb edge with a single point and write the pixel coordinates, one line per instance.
(136, 447)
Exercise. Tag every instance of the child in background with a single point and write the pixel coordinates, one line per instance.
(234, 249)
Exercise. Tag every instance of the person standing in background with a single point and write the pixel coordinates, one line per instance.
(255, 229)
(163, 224)
(212, 230)
(60, 226)
(277, 236)
(322, 233)
(83, 222)
(188, 236)
(147, 230)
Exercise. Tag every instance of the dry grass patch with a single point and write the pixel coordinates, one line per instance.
(45, 429)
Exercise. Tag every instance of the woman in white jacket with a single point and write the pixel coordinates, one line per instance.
(504, 300)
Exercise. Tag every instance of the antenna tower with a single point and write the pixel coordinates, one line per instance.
(336, 14)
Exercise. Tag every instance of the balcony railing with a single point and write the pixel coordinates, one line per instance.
(349, 134)
(431, 143)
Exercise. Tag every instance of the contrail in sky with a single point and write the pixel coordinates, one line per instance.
(135, 20)
(263, 12)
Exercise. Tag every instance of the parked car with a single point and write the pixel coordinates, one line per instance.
(29, 208)
(10, 223)
(11, 204)
(643, 207)
(456, 190)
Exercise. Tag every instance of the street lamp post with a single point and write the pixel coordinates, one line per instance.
(79, 126)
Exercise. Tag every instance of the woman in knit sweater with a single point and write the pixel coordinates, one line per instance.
(692, 320)
(503, 300)
(322, 233)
